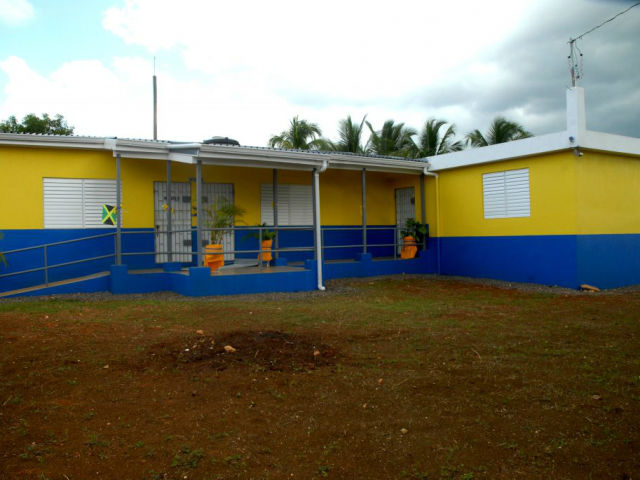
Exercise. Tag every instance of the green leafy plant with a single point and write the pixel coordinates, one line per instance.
(219, 216)
(415, 229)
(265, 234)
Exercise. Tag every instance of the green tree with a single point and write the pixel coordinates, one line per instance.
(501, 130)
(301, 135)
(392, 139)
(31, 123)
(350, 136)
(436, 138)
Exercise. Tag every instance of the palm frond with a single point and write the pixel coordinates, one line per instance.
(300, 135)
(501, 130)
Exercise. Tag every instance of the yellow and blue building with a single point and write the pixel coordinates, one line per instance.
(557, 209)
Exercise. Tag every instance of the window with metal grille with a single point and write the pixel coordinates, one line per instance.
(295, 204)
(506, 194)
(76, 202)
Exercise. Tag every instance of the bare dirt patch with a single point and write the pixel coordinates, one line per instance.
(270, 350)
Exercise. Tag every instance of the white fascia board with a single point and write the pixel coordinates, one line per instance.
(260, 158)
(53, 141)
(390, 165)
(525, 147)
(139, 149)
(608, 142)
(226, 162)
(296, 160)
(414, 170)
(182, 158)
(141, 154)
(257, 161)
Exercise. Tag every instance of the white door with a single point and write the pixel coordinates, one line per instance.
(180, 220)
(405, 208)
(216, 194)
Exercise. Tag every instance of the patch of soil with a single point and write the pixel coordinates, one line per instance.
(271, 350)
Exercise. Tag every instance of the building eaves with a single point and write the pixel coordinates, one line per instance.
(525, 147)
(55, 141)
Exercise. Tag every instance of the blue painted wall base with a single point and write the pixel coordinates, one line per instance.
(606, 261)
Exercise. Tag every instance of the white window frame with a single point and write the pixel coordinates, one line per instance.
(76, 202)
(506, 194)
(295, 204)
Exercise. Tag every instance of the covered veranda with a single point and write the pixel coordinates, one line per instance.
(196, 279)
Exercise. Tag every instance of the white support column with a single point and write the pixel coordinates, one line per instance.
(364, 210)
(118, 210)
(275, 210)
(317, 226)
(199, 216)
(169, 214)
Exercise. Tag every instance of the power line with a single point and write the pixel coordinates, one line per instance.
(575, 63)
(605, 22)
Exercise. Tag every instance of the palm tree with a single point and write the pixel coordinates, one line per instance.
(435, 140)
(392, 139)
(501, 130)
(301, 135)
(350, 137)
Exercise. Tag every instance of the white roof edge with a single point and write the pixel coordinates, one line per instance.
(610, 143)
(312, 159)
(525, 147)
(58, 141)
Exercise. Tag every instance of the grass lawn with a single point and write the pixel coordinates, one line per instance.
(401, 378)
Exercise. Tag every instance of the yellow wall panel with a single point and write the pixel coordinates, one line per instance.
(552, 194)
(609, 193)
(340, 190)
(24, 168)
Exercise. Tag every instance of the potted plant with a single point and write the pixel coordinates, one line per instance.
(413, 235)
(266, 238)
(219, 216)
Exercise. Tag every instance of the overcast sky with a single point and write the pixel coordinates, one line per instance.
(243, 69)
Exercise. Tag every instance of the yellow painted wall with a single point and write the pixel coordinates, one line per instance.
(552, 180)
(609, 193)
(341, 198)
(21, 180)
(340, 191)
(24, 168)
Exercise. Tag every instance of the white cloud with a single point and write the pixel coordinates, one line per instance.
(16, 12)
(251, 67)
(344, 52)
(116, 100)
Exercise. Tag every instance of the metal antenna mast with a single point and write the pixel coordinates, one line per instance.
(155, 102)
(575, 63)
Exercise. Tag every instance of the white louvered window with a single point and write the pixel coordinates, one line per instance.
(295, 204)
(76, 202)
(506, 194)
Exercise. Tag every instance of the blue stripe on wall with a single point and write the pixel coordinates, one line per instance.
(134, 244)
(332, 236)
(548, 260)
(68, 252)
(609, 261)
(606, 261)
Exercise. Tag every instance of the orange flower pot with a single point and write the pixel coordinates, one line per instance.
(213, 257)
(266, 256)
(409, 248)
